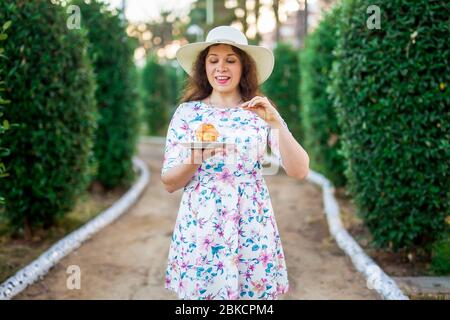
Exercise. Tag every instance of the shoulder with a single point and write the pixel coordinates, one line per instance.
(186, 106)
(184, 110)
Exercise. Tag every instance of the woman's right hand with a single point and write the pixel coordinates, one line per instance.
(200, 155)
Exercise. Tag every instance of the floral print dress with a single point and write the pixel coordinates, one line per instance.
(225, 244)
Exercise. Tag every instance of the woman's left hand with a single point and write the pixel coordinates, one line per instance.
(263, 108)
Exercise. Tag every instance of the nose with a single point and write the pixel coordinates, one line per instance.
(221, 66)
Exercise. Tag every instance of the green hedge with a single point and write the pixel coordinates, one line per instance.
(391, 93)
(49, 83)
(111, 51)
(4, 123)
(322, 133)
(282, 87)
(175, 85)
(157, 98)
(440, 257)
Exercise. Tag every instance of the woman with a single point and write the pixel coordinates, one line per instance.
(225, 243)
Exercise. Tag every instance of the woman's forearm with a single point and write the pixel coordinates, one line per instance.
(179, 176)
(295, 158)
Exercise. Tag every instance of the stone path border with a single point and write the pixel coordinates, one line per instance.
(376, 278)
(39, 267)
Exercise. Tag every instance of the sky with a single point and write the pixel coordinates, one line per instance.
(148, 10)
(145, 10)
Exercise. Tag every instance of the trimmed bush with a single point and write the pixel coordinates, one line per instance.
(322, 133)
(175, 88)
(282, 87)
(4, 125)
(156, 98)
(391, 93)
(50, 85)
(111, 51)
(440, 257)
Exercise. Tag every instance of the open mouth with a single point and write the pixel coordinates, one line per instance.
(222, 80)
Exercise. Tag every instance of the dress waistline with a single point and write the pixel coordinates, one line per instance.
(222, 177)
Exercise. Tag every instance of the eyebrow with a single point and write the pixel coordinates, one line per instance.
(213, 54)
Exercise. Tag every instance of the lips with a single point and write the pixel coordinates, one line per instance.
(222, 80)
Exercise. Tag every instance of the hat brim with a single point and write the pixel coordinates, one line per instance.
(264, 58)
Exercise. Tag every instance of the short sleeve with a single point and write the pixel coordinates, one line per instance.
(273, 140)
(174, 153)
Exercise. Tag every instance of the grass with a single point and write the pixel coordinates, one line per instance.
(403, 263)
(16, 253)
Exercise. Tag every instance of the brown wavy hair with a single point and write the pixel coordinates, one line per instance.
(198, 87)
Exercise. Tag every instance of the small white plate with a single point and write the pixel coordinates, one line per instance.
(203, 144)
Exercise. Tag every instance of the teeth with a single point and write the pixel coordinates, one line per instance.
(222, 78)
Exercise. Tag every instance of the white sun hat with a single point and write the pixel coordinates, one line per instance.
(264, 59)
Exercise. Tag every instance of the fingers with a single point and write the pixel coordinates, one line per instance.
(196, 156)
(207, 153)
(253, 102)
(200, 155)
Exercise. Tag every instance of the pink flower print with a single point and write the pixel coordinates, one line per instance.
(258, 286)
(226, 176)
(264, 257)
(184, 266)
(185, 127)
(211, 296)
(199, 261)
(181, 285)
(167, 281)
(240, 166)
(197, 187)
(260, 208)
(225, 212)
(207, 242)
(232, 295)
(282, 288)
(248, 275)
(229, 242)
(254, 173)
(236, 217)
(219, 266)
(236, 258)
(258, 185)
(217, 226)
(201, 222)
(174, 265)
(251, 267)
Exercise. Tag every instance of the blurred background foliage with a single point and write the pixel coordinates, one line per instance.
(370, 106)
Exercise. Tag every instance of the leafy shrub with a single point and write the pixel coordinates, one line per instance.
(322, 133)
(4, 125)
(440, 258)
(282, 87)
(50, 85)
(111, 51)
(391, 93)
(156, 97)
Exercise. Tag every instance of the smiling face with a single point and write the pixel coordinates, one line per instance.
(223, 68)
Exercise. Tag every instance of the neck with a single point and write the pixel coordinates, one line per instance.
(225, 99)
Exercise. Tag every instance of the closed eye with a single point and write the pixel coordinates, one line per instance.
(229, 61)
